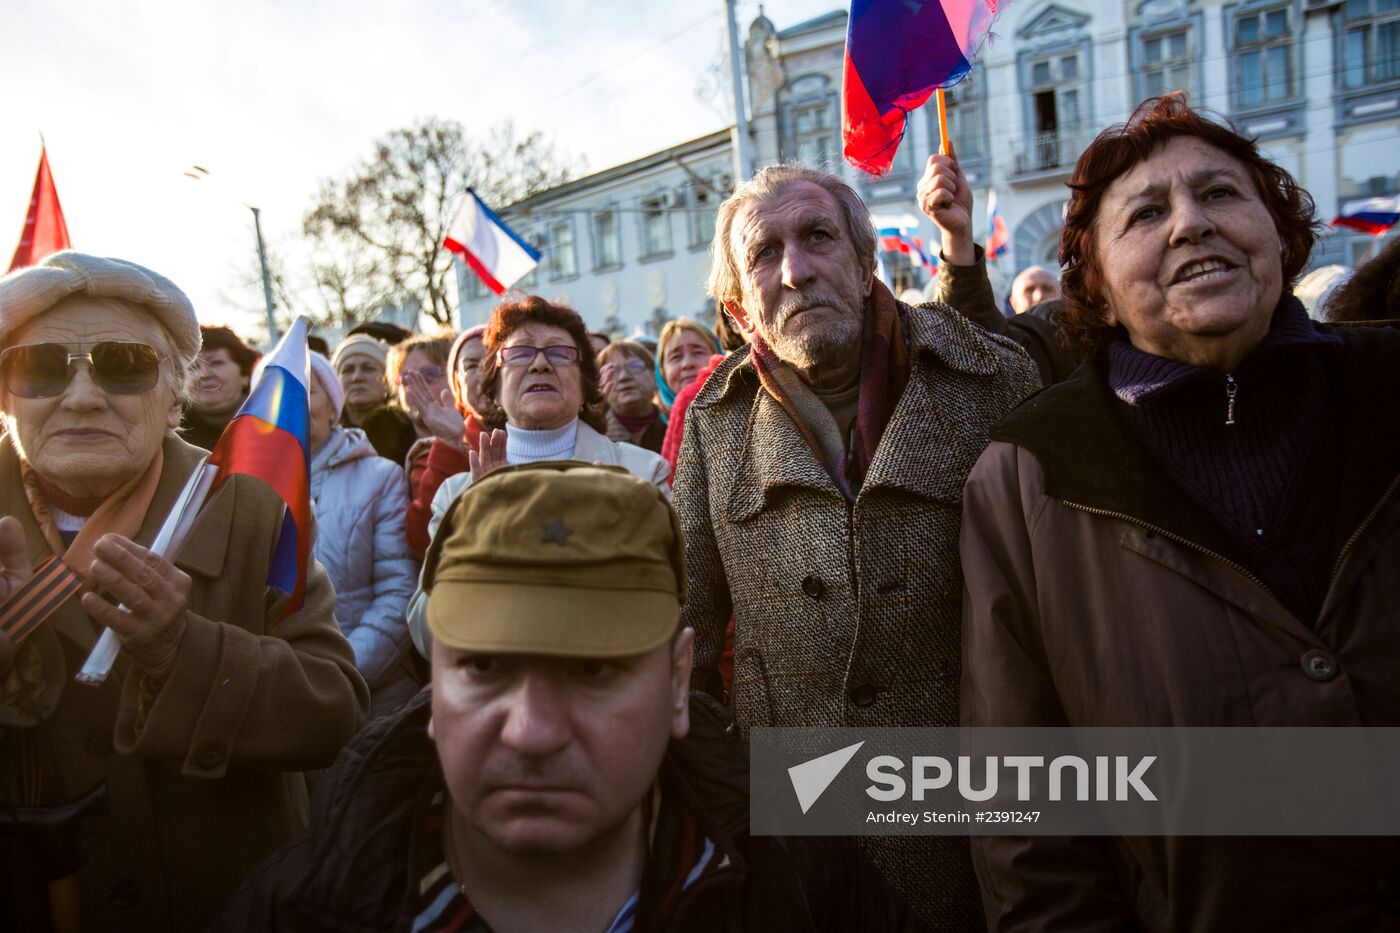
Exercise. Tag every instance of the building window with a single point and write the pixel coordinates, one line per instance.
(476, 289)
(1166, 62)
(703, 209)
(1262, 60)
(656, 227)
(813, 133)
(1370, 42)
(967, 117)
(562, 261)
(1058, 95)
(900, 271)
(607, 241)
(529, 279)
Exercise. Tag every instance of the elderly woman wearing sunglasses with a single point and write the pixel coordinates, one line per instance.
(214, 706)
(538, 392)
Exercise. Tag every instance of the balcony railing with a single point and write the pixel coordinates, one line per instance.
(1049, 152)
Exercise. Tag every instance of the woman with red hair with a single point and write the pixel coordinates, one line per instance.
(1200, 527)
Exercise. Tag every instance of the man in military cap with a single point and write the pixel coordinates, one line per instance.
(557, 774)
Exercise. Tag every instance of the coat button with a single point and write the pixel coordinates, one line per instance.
(209, 756)
(123, 894)
(97, 742)
(863, 694)
(813, 586)
(1319, 665)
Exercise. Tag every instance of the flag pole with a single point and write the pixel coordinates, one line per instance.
(172, 534)
(943, 147)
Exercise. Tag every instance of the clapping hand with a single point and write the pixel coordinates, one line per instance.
(490, 453)
(946, 198)
(438, 414)
(14, 570)
(155, 595)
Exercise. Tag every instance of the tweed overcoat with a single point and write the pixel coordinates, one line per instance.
(205, 772)
(846, 613)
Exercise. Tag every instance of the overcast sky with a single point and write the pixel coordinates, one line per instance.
(274, 95)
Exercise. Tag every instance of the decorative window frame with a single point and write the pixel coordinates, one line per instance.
(1270, 119)
(1156, 18)
(595, 242)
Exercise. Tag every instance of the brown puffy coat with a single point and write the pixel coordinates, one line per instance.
(846, 614)
(1101, 594)
(206, 778)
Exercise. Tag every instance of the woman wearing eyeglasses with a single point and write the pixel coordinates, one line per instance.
(213, 707)
(537, 390)
(629, 388)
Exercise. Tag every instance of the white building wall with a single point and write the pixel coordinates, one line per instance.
(1340, 144)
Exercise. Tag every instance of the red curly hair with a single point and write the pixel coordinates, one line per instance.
(505, 319)
(1116, 151)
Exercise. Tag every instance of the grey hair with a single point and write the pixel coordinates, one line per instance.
(724, 281)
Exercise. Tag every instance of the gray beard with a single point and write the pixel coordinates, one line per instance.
(827, 346)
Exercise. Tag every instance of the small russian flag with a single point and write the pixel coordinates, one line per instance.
(997, 235)
(899, 240)
(270, 439)
(492, 250)
(1370, 215)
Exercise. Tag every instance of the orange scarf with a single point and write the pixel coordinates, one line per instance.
(121, 513)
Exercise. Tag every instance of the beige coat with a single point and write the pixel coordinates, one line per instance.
(846, 614)
(205, 777)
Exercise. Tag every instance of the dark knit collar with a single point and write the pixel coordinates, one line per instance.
(637, 425)
(1137, 376)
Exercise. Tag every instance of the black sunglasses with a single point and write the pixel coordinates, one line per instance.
(43, 370)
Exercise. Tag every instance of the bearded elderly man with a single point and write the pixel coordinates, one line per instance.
(820, 489)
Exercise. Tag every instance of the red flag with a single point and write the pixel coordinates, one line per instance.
(44, 229)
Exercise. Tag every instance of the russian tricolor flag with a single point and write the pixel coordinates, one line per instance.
(898, 52)
(269, 439)
(898, 240)
(492, 250)
(997, 234)
(1370, 215)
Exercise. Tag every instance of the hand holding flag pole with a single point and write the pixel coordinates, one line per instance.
(167, 542)
(268, 439)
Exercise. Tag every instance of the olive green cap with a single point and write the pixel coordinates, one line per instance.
(556, 558)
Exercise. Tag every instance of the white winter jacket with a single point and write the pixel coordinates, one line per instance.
(361, 501)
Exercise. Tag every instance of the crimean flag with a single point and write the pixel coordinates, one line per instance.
(1370, 215)
(493, 251)
(898, 52)
(44, 229)
(997, 235)
(269, 439)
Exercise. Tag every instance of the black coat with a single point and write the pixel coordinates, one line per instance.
(352, 870)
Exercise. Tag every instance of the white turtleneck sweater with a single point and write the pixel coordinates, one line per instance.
(525, 446)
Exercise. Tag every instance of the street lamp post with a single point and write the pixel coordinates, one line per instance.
(267, 279)
(200, 173)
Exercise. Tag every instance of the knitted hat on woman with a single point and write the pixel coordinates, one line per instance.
(362, 345)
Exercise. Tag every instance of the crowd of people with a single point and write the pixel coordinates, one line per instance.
(559, 578)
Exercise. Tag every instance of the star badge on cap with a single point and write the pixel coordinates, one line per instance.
(556, 532)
